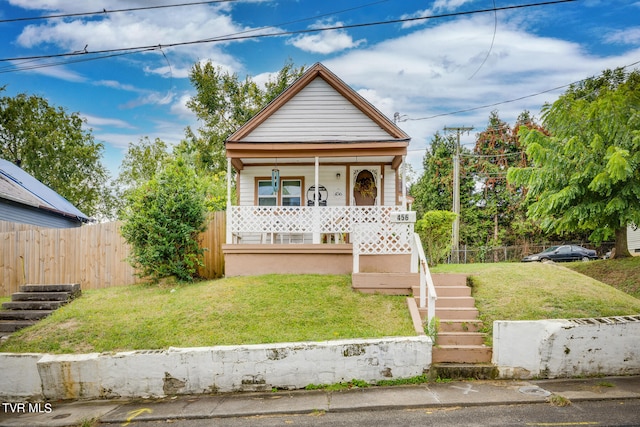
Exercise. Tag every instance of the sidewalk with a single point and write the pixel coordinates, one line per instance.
(456, 393)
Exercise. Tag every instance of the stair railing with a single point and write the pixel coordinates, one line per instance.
(427, 288)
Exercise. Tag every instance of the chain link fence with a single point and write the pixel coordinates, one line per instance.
(482, 254)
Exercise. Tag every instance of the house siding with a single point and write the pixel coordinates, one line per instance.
(633, 240)
(13, 212)
(318, 113)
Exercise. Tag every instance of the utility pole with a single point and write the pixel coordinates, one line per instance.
(455, 249)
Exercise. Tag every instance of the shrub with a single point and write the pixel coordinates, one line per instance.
(162, 220)
(435, 232)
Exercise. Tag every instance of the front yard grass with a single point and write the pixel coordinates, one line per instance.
(534, 291)
(238, 310)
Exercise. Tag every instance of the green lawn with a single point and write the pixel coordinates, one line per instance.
(240, 310)
(623, 274)
(283, 308)
(534, 291)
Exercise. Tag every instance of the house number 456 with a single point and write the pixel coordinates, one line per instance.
(403, 217)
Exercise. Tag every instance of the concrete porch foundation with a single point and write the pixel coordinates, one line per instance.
(252, 260)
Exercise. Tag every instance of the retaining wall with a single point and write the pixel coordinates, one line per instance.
(211, 369)
(567, 348)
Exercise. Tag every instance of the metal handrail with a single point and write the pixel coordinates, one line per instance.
(427, 288)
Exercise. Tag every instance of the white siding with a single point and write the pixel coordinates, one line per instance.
(633, 240)
(336, 187)
(318, 113)
(389, 186)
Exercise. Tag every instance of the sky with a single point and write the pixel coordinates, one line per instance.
(464, 60)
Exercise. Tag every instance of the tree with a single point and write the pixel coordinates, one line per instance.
(224, 103)
(52, 145)
(497, 149)
(585, 175)
(162, 220)
(433, 190)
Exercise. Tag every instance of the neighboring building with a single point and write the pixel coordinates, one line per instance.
(25, 200)
(318, 179)
(633, 239)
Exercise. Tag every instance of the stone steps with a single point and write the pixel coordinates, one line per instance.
(34, 302)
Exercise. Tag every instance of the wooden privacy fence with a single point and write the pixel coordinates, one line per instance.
(92, 255)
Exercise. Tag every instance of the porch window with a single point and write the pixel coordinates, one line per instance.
(289, 194)
(266, 195)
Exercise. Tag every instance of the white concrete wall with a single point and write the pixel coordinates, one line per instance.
(567, 348)
(19, 379)
(217, 369)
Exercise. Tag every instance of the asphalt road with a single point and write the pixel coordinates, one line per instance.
(586, 413)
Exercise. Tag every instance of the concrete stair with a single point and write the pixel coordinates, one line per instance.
(392, 283)
(34, 302)
(459, 340)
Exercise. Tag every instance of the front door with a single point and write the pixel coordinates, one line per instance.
(366, 186)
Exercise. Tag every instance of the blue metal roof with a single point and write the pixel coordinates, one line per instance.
(29, 191)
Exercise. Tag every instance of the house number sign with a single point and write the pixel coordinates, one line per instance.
(403, 217)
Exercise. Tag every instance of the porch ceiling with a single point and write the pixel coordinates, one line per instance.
(389, 152)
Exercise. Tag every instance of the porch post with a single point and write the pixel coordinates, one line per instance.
(316, 213)
(229, 236)
(404, 185)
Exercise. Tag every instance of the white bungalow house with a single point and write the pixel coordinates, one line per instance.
(318, 176)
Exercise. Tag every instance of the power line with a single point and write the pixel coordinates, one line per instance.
(105, 11)
(284, 33)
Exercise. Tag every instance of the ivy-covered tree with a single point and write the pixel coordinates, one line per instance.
(497, 149)
(585, 175)
(54, 147)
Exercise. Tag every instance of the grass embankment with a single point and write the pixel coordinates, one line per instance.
(622, 274)
(533, 291)
(239, 310)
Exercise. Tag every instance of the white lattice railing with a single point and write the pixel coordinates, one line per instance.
(370, 226)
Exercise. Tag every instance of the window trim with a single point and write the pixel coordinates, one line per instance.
(256, 196)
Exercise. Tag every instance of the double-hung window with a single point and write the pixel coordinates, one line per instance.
(289, 192)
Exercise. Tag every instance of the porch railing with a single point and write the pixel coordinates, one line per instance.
(304, 219)
(428, 294)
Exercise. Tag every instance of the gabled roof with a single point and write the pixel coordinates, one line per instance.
(317, 115)
(344, 102)
(18, 186)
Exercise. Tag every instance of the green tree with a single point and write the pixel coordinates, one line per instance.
(434, 188)
(434, 229)
(497, 149)
(53, 146)
(162, 220)
(585, 175)
(223, 103)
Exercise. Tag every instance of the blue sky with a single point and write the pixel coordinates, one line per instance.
(425, 70)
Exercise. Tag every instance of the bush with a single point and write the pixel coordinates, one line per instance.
(161, 222)
(435, 232)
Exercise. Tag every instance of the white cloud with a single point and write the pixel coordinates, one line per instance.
(95, 121)
(326, 42)
(628, 36)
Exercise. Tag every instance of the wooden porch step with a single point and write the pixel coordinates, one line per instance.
(460, 338)
(447, 291)
(384, 283)
(458, 313)
(461, 354)
(449, 279)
